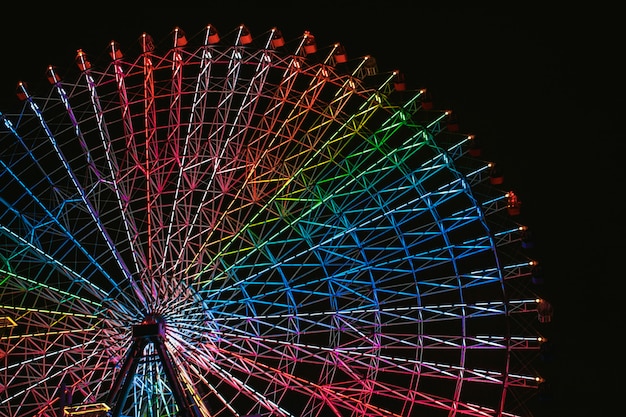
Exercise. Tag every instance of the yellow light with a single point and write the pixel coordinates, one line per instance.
(6, 321)
(86, 409)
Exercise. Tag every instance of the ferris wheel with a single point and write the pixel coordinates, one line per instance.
(229, 225)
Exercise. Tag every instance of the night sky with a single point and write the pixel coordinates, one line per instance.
(538, 88)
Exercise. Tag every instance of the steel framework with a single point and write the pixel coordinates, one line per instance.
(308, 235)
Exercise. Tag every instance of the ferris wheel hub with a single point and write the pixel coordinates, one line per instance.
(153, 325)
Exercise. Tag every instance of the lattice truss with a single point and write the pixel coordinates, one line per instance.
(316, 237)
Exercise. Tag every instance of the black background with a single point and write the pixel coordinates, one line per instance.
(541, 88)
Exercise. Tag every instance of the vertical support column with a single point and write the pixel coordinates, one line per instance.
(121, 387)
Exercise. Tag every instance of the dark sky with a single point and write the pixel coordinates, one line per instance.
(536, 86)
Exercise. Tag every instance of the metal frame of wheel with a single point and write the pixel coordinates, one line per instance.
(308, 235)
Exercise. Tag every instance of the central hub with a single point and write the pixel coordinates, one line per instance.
(152, 326)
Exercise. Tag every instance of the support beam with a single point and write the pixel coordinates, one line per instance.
(151, 330)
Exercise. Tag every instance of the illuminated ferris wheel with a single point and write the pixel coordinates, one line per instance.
(231, 225)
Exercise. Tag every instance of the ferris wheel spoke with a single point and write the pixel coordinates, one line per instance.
(251, 180)
(234, 143)
(355, 193)
(54, 220)
(303, 386)
(57, 265)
